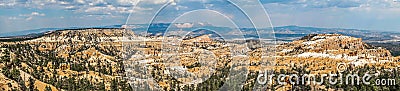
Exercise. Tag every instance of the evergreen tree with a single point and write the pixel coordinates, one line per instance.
(102, 86)
(114, 85)
(22, 84)
(36, 89)
(48, 88)
(31, 84)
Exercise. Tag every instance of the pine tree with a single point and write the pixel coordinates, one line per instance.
(114, 85)
(22, 84)
(102, 86)
(36, 89)
(48, 88)
(6, 57)
(31, 84)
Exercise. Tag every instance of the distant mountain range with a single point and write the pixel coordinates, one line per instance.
(365, 34)
(283, 33)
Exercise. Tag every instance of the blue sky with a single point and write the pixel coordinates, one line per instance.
(18, 15)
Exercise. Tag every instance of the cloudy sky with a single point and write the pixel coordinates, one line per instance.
(19, 15)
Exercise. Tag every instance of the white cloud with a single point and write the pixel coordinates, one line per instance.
(337, 3)
(80, 1)
(87, 6)
(13, 18)
(128, 2)
(33, 14)
(37, 14)
(179, 7)
(30, 16)
(156, 1)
